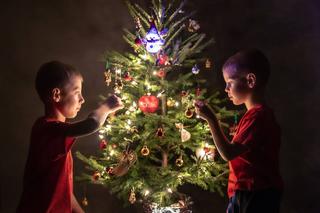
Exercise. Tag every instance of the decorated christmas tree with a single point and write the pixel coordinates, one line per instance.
(157, 143)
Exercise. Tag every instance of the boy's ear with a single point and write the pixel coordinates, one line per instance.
(56, 94)
(251, 80)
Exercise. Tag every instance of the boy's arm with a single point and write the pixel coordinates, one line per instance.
(76, 208)
(226, 149)
(95, 119)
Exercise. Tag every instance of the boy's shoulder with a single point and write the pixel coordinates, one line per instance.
(260, 111)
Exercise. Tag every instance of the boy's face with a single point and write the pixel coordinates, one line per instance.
(236, 85)
(71, 97)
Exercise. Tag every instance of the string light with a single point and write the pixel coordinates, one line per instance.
(101, 136)
(146, 192)
(169, 190)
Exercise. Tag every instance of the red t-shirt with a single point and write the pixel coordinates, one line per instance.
(48, 179)
(258, 168)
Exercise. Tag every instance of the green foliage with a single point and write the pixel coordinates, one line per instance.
(159, 172)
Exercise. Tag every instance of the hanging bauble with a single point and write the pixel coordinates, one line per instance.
(96, 175)
(179, 161)
(109, 170)
(107, 77)
(208, 64)
(195, 69)
(193, 26)
(138, 23)
(185, 135)
(84, 202)
(145, 151)
(183, 93)
(170, 102)
(162, 59)
(132, 197)
(103, 144)
(160, 132)
(164, 32)
(127, 76)
(161, 73)
(189, 113)
(138, 41)
(148, 103)
(153, 41)
(198, 91)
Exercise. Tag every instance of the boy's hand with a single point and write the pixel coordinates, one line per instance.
(203, 110)
(113, 103)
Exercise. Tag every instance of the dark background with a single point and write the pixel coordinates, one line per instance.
(79, 31)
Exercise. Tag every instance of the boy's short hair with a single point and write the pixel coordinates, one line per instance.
(252, 60)
(53, 74)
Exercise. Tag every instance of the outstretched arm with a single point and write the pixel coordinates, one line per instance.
(95, 119)
(226, 149)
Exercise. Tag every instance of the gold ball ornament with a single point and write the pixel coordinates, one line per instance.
(179, 162)
(208, 64)
(170, 102)
(84, 202)
(132, 197)
(189, 113)
(145, 151)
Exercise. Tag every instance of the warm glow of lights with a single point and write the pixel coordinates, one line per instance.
(101, 136)
(146, 192)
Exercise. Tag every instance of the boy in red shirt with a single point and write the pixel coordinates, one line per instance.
(255, 184)
(48, 178)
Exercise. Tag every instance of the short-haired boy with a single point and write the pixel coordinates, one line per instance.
(48, 178)
(255, 184)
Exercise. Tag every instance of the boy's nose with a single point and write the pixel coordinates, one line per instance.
(82, 100)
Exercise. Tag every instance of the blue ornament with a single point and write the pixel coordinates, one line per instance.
(153, 40)
(195, 69)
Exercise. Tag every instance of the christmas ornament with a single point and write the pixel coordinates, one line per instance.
(179, 161)
(107, 77)
(183, 93)
(148, 103)
(160, 132)
(193, 26)
(198, 91)
(109, 170)
(145, 151)
(127, 76)
(189, 113)
(153, 40)
(170, 102)
(185, 135)
(127, 159)
(138, 23)
(161, 73)
(162, 59)
(132, 197)
(195, 69)
(84, 202)
(208, 64)
(96, 175)
(103, 144)
(138, 41)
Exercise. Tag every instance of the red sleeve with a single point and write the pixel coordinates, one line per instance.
(249, 131)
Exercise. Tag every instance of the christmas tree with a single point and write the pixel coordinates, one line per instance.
(157, 143)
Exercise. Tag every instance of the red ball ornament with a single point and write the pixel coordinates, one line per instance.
(163, 59)
(161, 73)
(138, 41)
(96, 175)
(148, 103)
(103, 144)
(127, 76)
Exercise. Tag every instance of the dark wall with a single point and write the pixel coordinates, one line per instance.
(78, 32)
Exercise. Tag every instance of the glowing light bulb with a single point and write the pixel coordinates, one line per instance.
(146, 192)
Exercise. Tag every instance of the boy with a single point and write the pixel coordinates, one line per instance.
(48, 178)
(255, 183)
